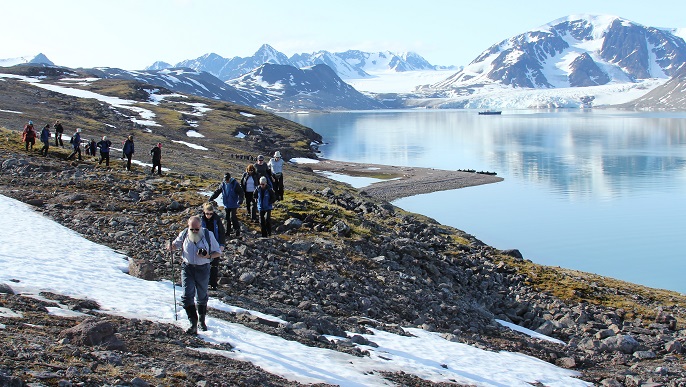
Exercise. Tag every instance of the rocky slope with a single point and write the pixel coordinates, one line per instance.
(338, 262)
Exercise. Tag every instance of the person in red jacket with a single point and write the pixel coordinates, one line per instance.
(28, 136)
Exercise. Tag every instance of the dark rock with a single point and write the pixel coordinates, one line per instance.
(92, 332)
(513, 253)
(5, 288)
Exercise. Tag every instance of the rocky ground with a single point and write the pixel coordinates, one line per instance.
(338, 262)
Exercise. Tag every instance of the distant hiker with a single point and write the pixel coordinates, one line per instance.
(265, 199)
(76, 145)
(263, 169)
(232, 197)
(104, 146)
(213, 223)
(128, 151)
(28, 136)
(92, 145)
(198, 248)
(276, 166)
(45, 139)
(156, 153)
(249, 181)
(59, 130)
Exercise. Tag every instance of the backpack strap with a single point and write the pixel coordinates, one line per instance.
(207, 238)
(184, 235)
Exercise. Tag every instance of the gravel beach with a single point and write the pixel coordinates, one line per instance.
(400, 182)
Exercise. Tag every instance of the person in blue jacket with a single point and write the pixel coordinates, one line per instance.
(128, 151)
(232, 197)
(265, 197)
(104, 146)
(75, 145)
(45, 139)
(213, 223)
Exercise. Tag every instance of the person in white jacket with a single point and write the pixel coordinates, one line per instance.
(198, 248)
(276, 166)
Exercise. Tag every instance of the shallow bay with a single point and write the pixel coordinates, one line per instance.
(601, 191)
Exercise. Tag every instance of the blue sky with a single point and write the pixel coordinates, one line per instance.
(132, 34)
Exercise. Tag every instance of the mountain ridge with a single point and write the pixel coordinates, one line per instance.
(348, 64)
(575, 51)
(581, 52)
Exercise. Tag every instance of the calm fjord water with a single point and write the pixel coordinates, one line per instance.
(600, 191)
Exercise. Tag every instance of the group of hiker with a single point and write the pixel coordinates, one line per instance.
(29, 136)
(259, 187)
(203, 241)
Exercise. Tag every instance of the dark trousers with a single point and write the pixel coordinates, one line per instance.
(251, 205)
(44, 149)
(232, 222)
(128, 161)
(104, 156)
(278, 186)
(214, 273)
(157, 164)
(266, 222)
(58, 140)
(77, 151)
(194, 279)
(30, 142)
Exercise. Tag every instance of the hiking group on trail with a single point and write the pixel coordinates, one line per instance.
(29, 135)
(259, 186)
(202, 243)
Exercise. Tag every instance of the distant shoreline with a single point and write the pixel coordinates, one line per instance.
(400, 182)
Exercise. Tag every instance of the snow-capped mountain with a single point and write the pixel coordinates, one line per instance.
(576, 51)
(180, 80)
(159, 65)
(33, 59)
(344, 69)
(283, 87)
(226, 69)
(669, 95)
(350, 64)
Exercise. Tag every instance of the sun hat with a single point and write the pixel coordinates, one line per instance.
(277, 154)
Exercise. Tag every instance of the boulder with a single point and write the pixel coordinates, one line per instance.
(92, 332)
(141, 268)
(620, 343)
(341, 229)
(6, 289)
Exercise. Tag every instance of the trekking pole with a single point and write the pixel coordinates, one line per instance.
(171, 255)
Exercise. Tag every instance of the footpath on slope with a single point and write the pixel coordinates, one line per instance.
(399, 182)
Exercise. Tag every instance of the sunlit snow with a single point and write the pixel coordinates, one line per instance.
(424, 354)
(190, 145)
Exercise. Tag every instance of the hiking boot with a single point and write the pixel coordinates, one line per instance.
(202, 311)
(193, 318)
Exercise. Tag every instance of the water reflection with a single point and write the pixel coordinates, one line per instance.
(578, 154)
(598, 191)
